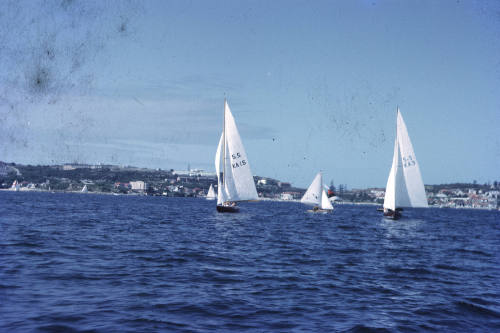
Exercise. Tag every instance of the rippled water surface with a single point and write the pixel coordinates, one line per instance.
(76, 262)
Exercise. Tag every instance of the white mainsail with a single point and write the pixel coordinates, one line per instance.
(313, 193)
(405, 187)
(85, 189)
(235, 180)
(211, 193)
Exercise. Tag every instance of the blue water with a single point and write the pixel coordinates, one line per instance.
(75, 262)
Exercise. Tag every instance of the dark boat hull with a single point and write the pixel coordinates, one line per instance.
(227, 209)
(391, 214)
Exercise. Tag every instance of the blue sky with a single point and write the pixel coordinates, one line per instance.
(312, 85)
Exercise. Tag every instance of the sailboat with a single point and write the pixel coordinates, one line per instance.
(15, 186)
(85, 189)
(405, 187)
(211, 193)
(316, 196)
(234, 177)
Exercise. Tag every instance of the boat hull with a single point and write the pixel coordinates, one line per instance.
(392, 214)
(227, 209)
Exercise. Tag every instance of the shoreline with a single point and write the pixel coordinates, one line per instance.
(201, 197)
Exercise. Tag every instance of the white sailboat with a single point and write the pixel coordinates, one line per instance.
(85, 189)
(211, 193)
(316, 195)
(15, 186)
(235, 180)
(405, 187)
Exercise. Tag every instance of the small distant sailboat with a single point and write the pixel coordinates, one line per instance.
(405, 187)
(211, 193)
(316, 196)
(234, 177)
(15, 186)
(85, 189)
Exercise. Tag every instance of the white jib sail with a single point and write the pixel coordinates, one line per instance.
(325, 202)
(404, 185)
(313, 193)
(390, 188)
(396, 194)
(221, 197)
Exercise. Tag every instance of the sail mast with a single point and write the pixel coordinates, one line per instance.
(397, 112)
(398, 152)
(224, 145)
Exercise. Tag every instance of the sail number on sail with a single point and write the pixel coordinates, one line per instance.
(237, 164)
(408, 161)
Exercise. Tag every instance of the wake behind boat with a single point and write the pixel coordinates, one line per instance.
(234, 177)
(316, 196)
(405, 187)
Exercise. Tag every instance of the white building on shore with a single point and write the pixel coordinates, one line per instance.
(138, 185)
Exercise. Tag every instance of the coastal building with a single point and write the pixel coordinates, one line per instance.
(286, 196)
(75, 166)
(138, 185)
(293, 194)
(122, 186)
(194, 173)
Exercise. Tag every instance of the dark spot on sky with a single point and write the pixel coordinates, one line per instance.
(50, 53)
(123, 27)
(38, 81)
